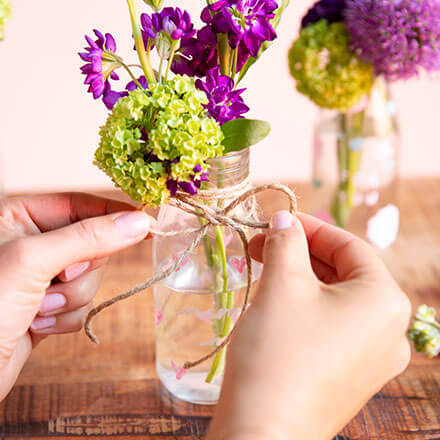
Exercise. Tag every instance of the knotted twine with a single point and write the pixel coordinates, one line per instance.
(213, 216)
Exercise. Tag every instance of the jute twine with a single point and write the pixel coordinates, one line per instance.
(213, 217)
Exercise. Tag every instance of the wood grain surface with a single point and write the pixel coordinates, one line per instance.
(72, 389)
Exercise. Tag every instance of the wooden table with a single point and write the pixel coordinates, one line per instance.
(71, 388)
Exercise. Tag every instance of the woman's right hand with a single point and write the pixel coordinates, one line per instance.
(326, 330)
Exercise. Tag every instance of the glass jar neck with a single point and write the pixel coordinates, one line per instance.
(229, 170)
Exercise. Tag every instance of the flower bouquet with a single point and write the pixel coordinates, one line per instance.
(346, 54)
(176, 138)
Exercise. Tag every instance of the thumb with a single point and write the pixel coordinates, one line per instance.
(286, 252)
(46, 255)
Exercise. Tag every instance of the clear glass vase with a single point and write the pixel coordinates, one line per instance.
(355, 168)
(196, 307)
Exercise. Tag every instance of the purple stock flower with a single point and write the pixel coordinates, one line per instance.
(173, 22)
(111, 97)
(398, 37)
(330, 10)
(191, 187)
(225, 103)
(100, 63)
(197, 55)
(245, 21)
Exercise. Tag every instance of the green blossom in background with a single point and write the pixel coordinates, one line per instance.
(425, 331)
(5, 14)
(157, 136)
(326, 70)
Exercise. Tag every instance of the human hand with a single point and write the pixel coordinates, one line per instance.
(52, 250)
(326, 330)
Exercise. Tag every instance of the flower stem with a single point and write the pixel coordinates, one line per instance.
(125, 66)
(234, 63)
(170, 60)
(140, 47)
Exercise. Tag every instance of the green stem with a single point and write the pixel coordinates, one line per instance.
(140, 47)
(224, 51)
(170, 61)
(352, 126)
(234, 63)
(125, 66)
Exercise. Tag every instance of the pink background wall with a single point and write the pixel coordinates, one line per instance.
(49, 124)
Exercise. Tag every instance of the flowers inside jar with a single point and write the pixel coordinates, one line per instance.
(177, 138)
(347, 53)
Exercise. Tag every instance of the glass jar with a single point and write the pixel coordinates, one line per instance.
(355, 167)
(196, 306)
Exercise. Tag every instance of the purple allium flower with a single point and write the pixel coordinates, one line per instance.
(99, 65)
(397, 37)
(225, 103)
(246, 21)
(330, 10)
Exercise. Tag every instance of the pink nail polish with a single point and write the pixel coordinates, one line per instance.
(281, 220)
(52, 302)
(76, 270)
(41, 323)
(133, 224)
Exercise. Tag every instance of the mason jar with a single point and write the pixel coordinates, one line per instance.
(197, 306)
(355, 162)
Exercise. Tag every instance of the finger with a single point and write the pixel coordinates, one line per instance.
(324, 272)
(54, 211)
(69, 322)
(76, 270)
(285, 249)
(66, 297)
(256, 247)
(349, 255)
(46, 255)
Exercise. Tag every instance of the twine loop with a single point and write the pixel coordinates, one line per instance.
(213, 217)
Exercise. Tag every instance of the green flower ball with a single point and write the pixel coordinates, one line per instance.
(156, 134)
(5, 14)
(326, 70)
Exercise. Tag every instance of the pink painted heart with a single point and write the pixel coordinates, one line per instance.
(158, 316)
(180, 371)
(238, 263)
(185, 260)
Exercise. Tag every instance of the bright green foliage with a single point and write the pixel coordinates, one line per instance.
(174, 126)
(425, 331)
(326, 70)
(5, 14)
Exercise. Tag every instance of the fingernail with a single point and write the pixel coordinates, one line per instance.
(133, 224)
(75, 270)
(52, 302)
(281, 220)
(41, 323)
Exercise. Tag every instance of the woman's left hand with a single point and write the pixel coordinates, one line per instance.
(52, 251)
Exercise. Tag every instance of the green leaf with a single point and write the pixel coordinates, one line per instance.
(243, 133)
(275, 22)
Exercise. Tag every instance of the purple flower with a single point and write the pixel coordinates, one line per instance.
(111, 97)
(197, 55)
(330, 10)
(245, 21)
(173, 22)
(225, 103)
(100, 63)
(398, 37)
(191, 187)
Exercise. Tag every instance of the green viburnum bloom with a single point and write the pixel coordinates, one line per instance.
(5, 14)
(326, 70)
(425, 331)
(156, 135)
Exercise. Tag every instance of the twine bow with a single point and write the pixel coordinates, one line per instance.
(213, 217)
